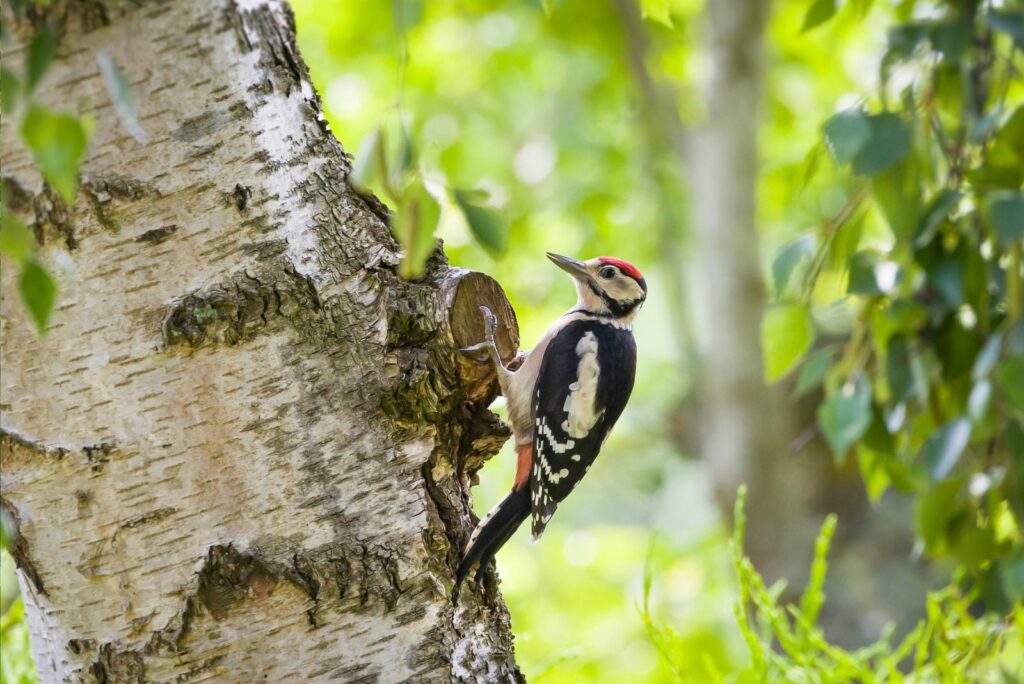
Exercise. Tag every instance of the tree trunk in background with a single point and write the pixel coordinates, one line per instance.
(238, 454)
(746, 429)
(749, 429)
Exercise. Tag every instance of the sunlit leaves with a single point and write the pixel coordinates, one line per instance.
(57, 142)
(485, 223)
(787, 332)
(41, 52)
(121, 95)
(943, 449)
(818, 13)
(39, 292)
(845, 415)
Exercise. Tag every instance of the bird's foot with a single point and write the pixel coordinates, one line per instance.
(490, 327)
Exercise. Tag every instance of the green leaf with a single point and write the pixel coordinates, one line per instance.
(846, 134)
(787, 332)
(899, 374)
(942, 450)
(813, 370)
(870, 275)
(788, 259)
(946, 274)
(415, 222)
(888, 144)
(1011, 575)
(987, 357)
(38, 292)
(367, 168)
(1009, 22)
(937, 508)
(41, 52)
(405, 155)
(845, 416)
(15, 238)
(1006, 213)
(978, 401)
(950, 39)
(939, 208)
(7, 531)
(121, 95)
(657, 10)
(547, 6)
(486, 224)
(57, 142)
(904, 39)
(818, 13)
(1011, 379)
(8, 91)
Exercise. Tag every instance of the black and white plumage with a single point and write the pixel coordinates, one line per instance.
(563, 399)
(585, 380)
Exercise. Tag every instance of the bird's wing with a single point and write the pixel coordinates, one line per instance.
(585, 379)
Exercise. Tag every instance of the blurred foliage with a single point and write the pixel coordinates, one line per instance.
(922, 354)
(786, 644)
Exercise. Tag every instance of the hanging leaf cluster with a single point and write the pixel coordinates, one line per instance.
(420, 196)
(922, 381)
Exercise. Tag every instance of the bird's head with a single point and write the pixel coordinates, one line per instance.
(606, 286)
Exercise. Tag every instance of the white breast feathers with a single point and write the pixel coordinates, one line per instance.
(581, 403)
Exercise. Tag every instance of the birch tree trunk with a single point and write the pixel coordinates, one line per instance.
(240, 452)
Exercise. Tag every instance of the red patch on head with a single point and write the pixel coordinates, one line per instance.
(624, 266)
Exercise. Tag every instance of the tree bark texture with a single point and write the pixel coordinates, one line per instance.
(240, 452)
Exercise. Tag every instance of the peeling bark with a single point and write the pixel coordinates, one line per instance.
(242, 451)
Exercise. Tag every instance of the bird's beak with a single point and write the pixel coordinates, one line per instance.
(577, 269)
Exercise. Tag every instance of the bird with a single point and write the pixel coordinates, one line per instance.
(562, 400)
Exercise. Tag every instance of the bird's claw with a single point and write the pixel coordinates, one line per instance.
(473, 350)
(490, 326)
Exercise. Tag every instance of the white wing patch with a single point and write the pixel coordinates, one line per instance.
(580, 404)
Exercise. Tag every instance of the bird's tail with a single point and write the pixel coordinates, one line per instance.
(493, 530)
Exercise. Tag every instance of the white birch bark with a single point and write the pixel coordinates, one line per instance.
(239, 452)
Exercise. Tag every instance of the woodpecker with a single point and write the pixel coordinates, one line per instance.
(563, 399)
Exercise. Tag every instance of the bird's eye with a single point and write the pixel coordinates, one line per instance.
(607, 273)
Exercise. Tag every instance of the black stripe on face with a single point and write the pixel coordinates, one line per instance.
(617, 308)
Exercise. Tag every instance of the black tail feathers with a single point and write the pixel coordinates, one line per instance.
(491, 534)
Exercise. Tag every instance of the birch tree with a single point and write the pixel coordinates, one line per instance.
(240, 451)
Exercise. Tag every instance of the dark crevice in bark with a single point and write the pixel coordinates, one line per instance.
(237, 310)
